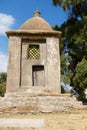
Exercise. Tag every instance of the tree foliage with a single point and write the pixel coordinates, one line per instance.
(74, 32)
(80, 78)
(3, 78)
(79, 7)
(66, 3)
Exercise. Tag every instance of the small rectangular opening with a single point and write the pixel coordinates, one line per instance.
(33, 52)
(38, 77)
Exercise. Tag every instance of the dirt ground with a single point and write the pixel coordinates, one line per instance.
(53, 121)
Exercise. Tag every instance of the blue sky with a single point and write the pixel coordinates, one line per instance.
(13, 13)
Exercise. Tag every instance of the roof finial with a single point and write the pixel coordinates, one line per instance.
(37, 13)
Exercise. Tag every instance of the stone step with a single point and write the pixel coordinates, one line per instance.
(44, 102)
(19, 100)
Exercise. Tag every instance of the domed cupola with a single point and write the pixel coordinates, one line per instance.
(36, 24)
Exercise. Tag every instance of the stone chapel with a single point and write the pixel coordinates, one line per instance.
(33, 74)
(33, 57)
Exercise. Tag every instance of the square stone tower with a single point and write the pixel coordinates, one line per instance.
(34, 59)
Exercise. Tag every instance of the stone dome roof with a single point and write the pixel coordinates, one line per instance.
(36, 23)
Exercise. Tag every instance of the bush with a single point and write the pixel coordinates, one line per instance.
(3, 78)
(2, 89)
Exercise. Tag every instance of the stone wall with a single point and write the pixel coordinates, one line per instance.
(23, 102)
(20, 71)
(53, 65)
(13, 70)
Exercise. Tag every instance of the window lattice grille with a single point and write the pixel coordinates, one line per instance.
(33, 52)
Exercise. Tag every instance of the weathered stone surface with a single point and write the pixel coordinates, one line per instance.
(23, 102)
(33, 84)
(21, 69)
(14, 55)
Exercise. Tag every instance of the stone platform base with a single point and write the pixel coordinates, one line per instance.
(24, 103)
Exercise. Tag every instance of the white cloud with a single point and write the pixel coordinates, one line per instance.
(3, 62)
(6, 21)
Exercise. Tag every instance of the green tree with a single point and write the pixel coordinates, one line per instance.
(66, 74)
(78, 41)
(2, 89)
(74, 32)
(79, 7)
(65, 3)
(64, 66)
(80, 78)
(3, 78)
